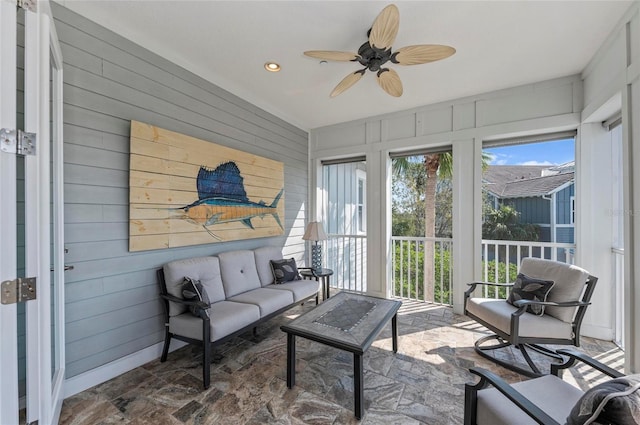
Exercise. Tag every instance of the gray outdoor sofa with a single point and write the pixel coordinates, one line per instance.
(242, 292)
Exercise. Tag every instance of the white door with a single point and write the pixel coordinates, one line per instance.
(8, 233)
(43, 237)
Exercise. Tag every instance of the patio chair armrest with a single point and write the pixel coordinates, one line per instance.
(185, 302)
(521, 303)
(577, 355)
(489, 378)
(505, 285)
(472, 286)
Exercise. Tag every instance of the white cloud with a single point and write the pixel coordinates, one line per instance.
(498, 158)
(537, 163)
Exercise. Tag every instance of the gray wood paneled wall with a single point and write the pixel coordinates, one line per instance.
(112, 305)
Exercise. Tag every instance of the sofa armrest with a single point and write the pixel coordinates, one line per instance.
(489, 378)
(185, 302)
(575, 355)
(311, 269)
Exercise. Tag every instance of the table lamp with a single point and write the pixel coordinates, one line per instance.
(315, 232)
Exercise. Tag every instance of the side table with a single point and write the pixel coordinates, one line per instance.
(323, 274)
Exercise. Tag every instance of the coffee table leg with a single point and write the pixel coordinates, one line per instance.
(291, 360)
(394, 330)
(358, 388)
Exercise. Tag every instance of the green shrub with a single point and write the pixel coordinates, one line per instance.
(408, 273)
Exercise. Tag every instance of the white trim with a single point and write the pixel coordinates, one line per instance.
(361, 218)
(93, 377)
(8, 313)
(36, 182)
(563, 185)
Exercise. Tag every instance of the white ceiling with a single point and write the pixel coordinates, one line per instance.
(499, 44)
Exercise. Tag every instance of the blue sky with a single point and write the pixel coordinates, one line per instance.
(545, 153)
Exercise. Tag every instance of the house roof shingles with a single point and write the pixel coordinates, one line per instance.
(519, 181)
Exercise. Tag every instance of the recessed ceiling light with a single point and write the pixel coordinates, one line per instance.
(272, 67)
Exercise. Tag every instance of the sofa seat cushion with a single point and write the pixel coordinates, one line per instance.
(498, 313)
(553, 395)
(301, 289)
(204, 269)
(268, 300)
(239, 273)
(226, 317)
(263, 257)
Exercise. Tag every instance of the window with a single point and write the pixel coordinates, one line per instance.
(572, 215)
(361, 203)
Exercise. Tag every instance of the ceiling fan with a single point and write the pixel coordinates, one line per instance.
(375, 52)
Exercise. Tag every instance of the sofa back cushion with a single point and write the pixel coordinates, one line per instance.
(569, 283)
(263, 258)
(239, 273)
(204, 269)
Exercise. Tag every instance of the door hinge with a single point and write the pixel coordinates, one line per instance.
(17, 141)
(18, 290)
(30, 5)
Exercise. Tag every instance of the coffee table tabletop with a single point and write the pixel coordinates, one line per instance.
(347, 321)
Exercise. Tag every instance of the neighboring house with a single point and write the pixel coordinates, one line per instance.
(344, 216)
(543, 195)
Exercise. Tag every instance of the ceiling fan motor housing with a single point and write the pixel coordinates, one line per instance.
(372, 58)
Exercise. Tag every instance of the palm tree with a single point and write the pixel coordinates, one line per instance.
(435, 165)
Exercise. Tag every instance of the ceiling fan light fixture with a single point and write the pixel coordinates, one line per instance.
(377, 51)
(272, 67)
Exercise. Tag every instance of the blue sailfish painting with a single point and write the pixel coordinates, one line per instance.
(222, 199)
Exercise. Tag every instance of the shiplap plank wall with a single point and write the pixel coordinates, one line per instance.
(112, 306)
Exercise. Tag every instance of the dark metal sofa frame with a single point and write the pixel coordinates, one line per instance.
(206, 329)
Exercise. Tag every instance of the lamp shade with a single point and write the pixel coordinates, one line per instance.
(314, 232)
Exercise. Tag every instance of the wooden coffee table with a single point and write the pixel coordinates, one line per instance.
(347, 321)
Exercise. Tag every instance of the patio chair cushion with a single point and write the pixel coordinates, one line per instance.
(569, 283)
(498, 313)
(613, 402)
(263, 257)
(285, 270)
(528, 288)
(204, 269)
(193, 290)
(551, 394)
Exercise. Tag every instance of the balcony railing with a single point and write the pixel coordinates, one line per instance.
(501, 260)
(346, 255)
(408, 269)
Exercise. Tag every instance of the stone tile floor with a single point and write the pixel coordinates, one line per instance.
(422, 384)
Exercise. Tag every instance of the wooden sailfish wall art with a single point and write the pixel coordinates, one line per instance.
(187, 191)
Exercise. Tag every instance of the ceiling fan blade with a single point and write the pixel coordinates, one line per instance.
(385, 28)
(422, 53)
(331, 55)
(390, 82)
(347, 82)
